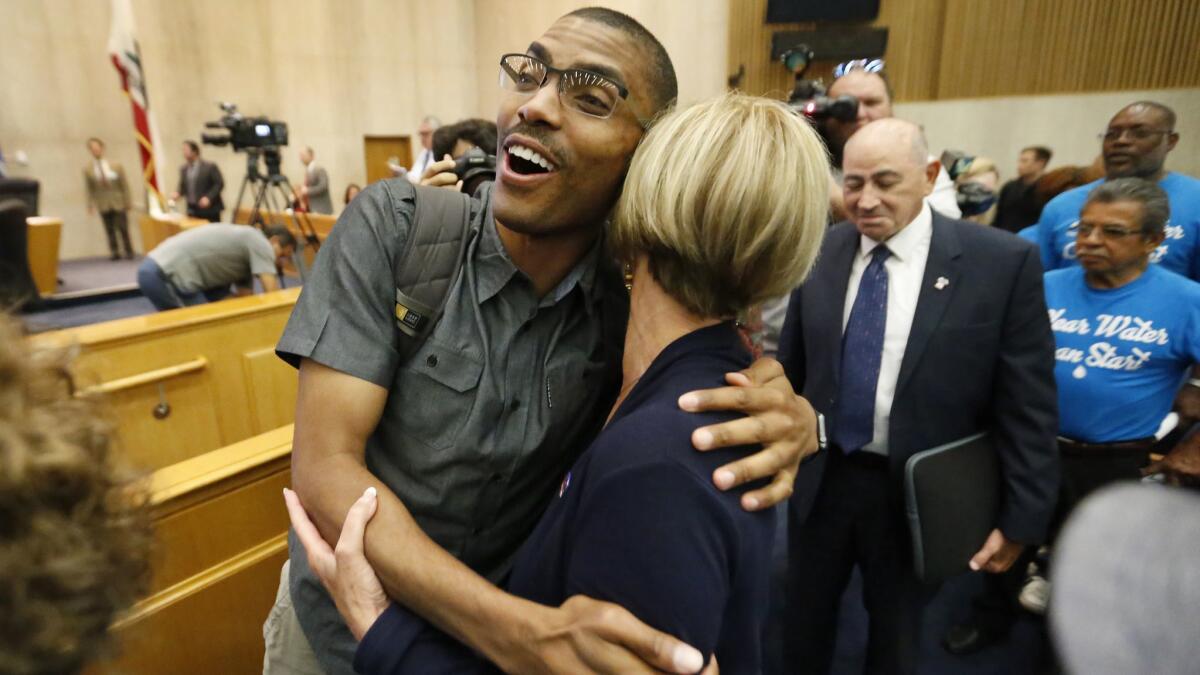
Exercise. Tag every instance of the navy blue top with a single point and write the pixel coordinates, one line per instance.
(637, 522)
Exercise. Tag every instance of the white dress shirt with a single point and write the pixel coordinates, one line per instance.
(418, 168)
(905, 269)
(103, 171)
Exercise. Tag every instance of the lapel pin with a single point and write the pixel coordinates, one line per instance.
(941, 283)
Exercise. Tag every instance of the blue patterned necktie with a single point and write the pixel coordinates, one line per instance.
(862, 353)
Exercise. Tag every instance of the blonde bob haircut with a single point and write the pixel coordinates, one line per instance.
(728, 200)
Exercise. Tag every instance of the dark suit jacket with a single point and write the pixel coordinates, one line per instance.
(208, 184)
(980, 356)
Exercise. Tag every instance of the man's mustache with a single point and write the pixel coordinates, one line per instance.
(540, 135)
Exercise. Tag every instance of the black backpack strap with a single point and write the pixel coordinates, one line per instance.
(430, 263)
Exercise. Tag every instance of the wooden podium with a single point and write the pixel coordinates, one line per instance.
(43, 239)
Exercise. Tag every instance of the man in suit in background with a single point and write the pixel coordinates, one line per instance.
(108, 193)
(913, 330)
(316, 184)
(201, 183)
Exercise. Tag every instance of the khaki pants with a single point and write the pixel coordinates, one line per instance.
(287, 652)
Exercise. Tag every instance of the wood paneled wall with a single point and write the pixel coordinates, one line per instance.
(214, 365)
(946, 49)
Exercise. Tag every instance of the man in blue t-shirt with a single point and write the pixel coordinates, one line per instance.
(1126, 332)
(1135, 144)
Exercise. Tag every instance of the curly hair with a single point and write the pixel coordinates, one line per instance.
(75, 532)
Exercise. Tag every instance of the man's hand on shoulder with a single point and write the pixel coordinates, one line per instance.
(587, 635)
(784, 423)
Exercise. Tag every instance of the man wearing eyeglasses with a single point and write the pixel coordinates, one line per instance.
(426, 157)
(466, 440)
(1136, 143)
(1126, 332)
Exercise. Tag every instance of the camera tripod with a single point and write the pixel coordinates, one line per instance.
(272, 193)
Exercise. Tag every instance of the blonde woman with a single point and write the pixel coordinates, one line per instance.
(723, 207)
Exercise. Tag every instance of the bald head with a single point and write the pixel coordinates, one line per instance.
(891, 134)
(886, 176)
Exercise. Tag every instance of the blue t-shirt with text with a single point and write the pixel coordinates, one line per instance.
(1121, 353)
(1178, 252)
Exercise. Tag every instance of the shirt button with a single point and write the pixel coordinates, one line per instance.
(516, 403)
(431, 361)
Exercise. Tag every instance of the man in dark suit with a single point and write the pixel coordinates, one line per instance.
(201, 183)
(912, 331)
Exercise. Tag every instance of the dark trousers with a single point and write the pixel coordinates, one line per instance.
(116, 225)
(854, 521)
(1083, 472)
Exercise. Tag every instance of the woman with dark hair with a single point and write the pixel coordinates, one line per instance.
(352, 191)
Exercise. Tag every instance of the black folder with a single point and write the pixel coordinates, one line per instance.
(952, 496)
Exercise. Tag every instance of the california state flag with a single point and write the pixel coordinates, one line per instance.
(127, 59)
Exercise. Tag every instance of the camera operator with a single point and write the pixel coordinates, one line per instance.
(456, 139)
(200, 181)
(866, 82)
(467, 149)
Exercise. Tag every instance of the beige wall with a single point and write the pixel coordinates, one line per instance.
(334, 70)
(1068, 124)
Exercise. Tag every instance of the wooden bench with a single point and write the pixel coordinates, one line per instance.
(221, 533)
(188, 381)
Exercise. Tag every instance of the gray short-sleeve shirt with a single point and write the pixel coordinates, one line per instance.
(483, 421)
(214, 256)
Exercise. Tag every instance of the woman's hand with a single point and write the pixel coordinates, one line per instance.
(344, 571)
(784, 423)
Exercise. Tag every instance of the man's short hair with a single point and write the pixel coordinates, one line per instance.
(728, 199)
(284, 235)
(93, 139)
(478, 132)
(193, 145)
(664, 88)
(1166, 111)
(1042, 153)
(431, 121)
(1156, 208)
(883, 77)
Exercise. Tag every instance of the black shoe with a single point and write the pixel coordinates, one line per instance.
(114, 257)
(967, 638)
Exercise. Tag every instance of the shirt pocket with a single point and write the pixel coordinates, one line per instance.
(571, 395)
(437, 394)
